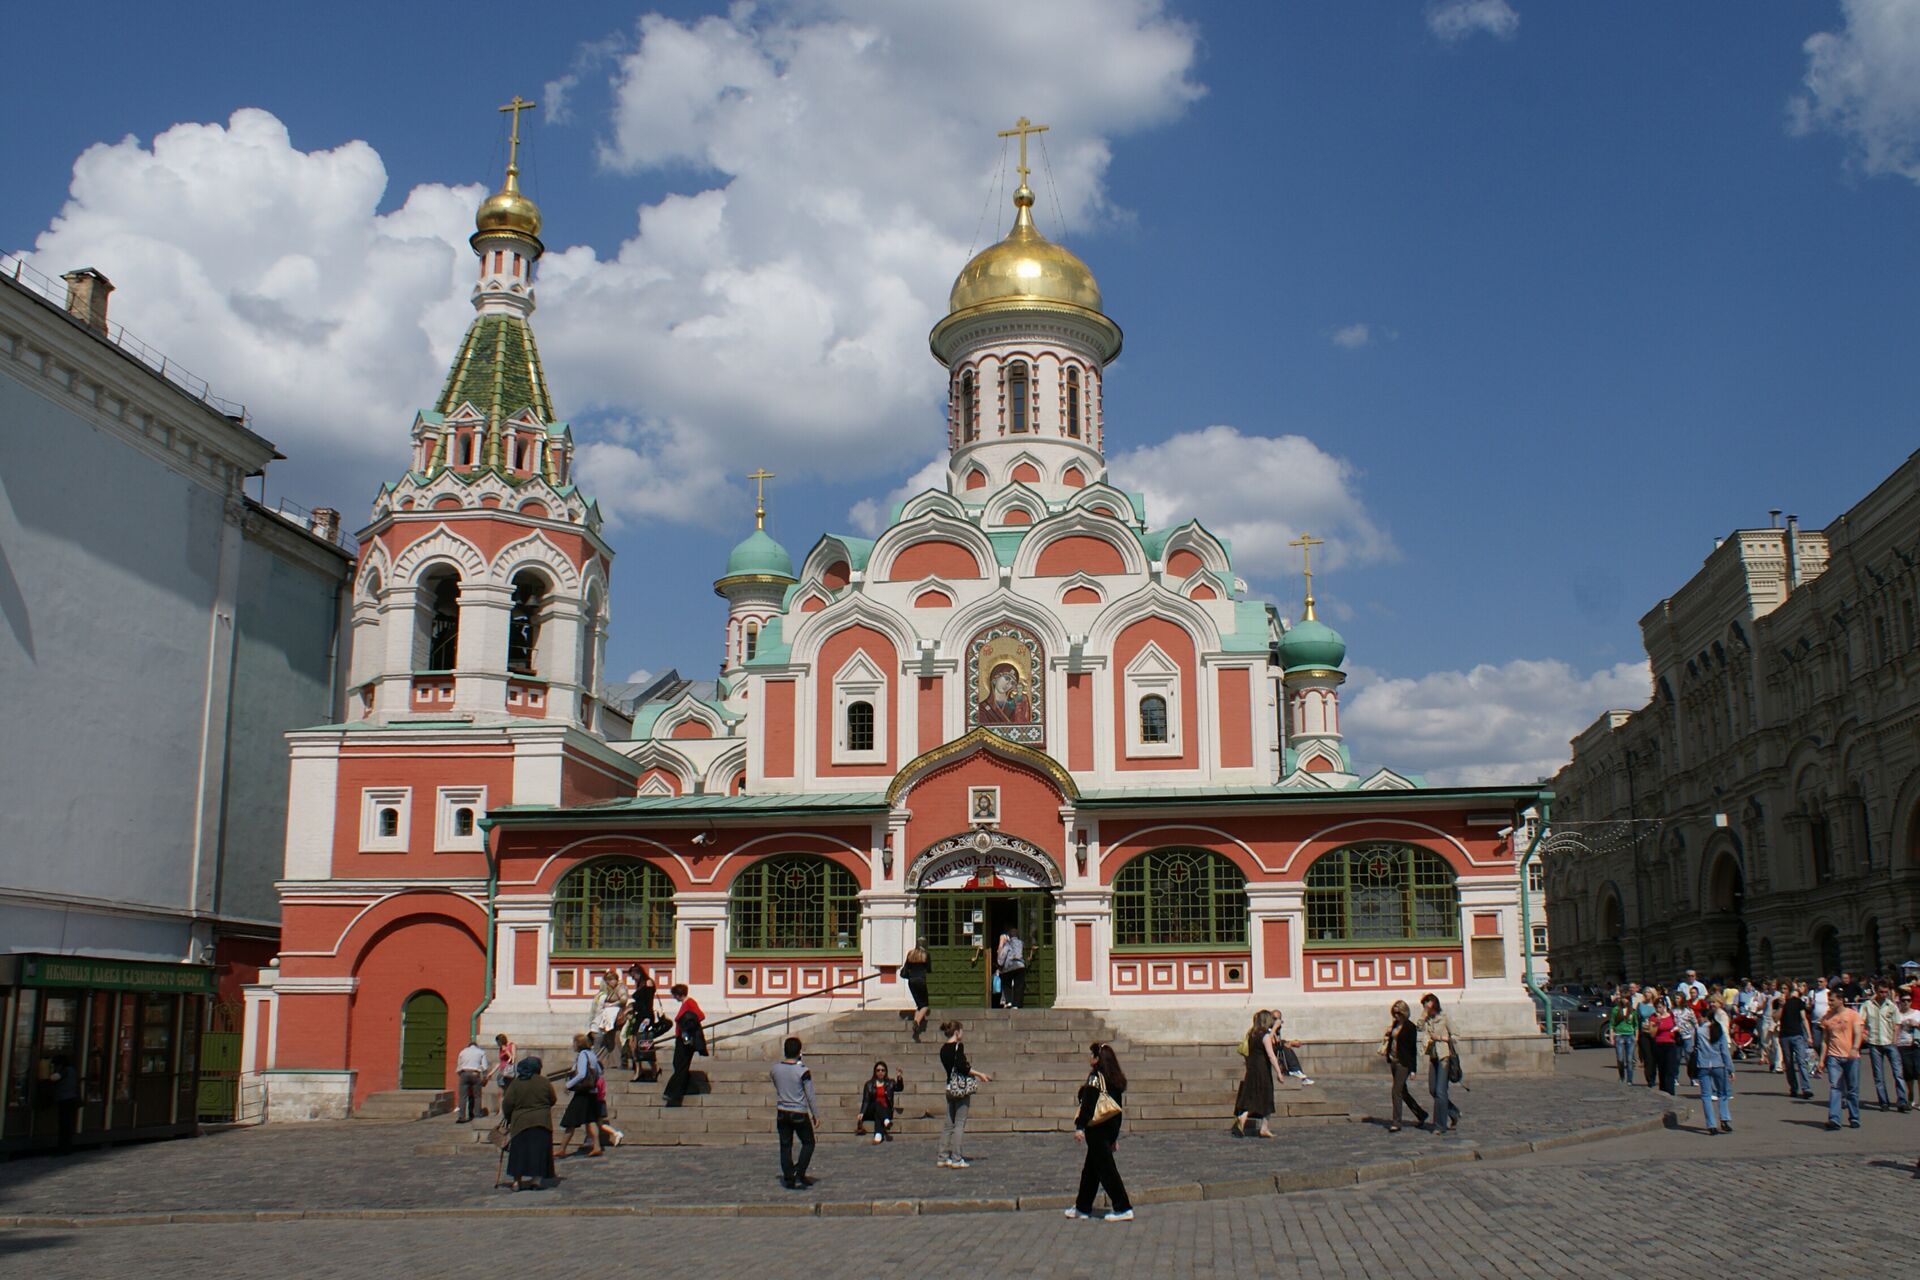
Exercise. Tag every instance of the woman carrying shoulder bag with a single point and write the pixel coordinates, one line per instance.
(962, 1081)
(1441, 1051)
(1098, 1127)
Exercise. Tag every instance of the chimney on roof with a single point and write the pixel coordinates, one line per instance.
(1773, 518)
(87, 292)
(326, 524)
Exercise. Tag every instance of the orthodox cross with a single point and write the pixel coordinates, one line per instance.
(1307, 542)
(760, 476)
(518, 105)
(1021, 128)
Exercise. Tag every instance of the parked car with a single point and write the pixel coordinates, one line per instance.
(1585, 1020)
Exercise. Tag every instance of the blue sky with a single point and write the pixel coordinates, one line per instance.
(1518, 304)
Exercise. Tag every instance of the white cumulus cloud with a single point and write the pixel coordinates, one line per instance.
(1258, 492)
(1863, 83)
(1353, 336)
(870, 515)
(1455, 20)
(1490, 725)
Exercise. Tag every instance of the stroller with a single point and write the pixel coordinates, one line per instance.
(1746, 1044)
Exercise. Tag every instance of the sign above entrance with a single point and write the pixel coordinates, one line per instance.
(983, 860)
(115, 975)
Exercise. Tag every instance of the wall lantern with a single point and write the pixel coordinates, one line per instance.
(1080, 849)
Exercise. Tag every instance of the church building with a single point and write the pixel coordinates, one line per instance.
(1023, 704)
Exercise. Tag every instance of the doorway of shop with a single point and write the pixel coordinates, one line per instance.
(959, 929)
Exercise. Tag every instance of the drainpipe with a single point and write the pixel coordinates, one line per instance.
(1526, 916)
(493, 926)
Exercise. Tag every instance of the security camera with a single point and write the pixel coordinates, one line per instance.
(703, 838)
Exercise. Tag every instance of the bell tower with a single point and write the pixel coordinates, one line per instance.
(482, 588)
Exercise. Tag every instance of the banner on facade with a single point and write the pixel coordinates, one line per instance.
(983, 860)
(116, 975)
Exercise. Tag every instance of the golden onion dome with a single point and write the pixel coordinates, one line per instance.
(509, 209)
(1024, 267)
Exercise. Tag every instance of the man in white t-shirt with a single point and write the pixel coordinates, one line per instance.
(472, 1066)
(1693, 988)
(1819, 998)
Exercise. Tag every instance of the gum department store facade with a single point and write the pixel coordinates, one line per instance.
(1786, 697)
(1020, 703)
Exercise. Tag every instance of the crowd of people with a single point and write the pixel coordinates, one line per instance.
(1802, 1030)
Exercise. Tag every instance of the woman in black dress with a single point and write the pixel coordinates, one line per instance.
(1254, 1102)
(915, 972)
(1101, 1135)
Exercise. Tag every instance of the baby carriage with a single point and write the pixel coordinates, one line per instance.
(1746, 1044)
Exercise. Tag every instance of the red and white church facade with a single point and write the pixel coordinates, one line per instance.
(1021, 704)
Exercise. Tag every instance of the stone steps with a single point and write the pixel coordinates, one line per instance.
(406, 1104)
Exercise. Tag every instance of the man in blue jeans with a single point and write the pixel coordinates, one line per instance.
(1845, 1031)
(1796, 1030)
(1882, 1015)
(795, 1113)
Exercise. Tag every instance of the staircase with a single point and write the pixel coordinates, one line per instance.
(1037, 1058)
(406, 1104)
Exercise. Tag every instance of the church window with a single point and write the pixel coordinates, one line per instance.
(795, 902)
(523, 622)
(389, 823)
(457, 821)
(439, 646)
(1073, 403)
(383, 819)
(613, 906)
(751, 643)
(1153, 718)
(969, 421)
(463, 822)
(1017, 396)
(1381, 892)
(1180, 897)
(859, 726)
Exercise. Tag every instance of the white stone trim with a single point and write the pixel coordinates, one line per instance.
(449, 802)
(1152, 674)
(372, 801)
(859, 679)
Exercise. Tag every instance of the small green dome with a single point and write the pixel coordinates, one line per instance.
(759, 555)
(1312, 644)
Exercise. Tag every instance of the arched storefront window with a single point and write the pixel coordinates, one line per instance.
(1382, 891)
(615, 906)
(1180, 897)
(795, 902)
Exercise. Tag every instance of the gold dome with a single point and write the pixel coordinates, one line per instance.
(1026, 266)
(509, 209)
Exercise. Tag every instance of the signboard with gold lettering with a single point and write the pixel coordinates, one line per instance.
(116, 975)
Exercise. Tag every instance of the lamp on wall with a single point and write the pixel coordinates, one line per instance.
(1080, 849)
(886, 857)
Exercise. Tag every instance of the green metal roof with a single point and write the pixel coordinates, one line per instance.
(1127, 797)
(497, 371)
(837, 803)
(758, 553)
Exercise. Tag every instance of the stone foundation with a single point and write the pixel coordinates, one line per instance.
(308, 1095)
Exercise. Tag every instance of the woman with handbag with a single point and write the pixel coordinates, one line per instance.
(1097, 1126)
(1442, 1054)
(1254, 1102)
(583, 1108)
(526, 1117)
(962, 1082)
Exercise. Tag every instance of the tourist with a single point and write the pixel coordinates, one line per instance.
(1686, 1023)
(1011, 959)
(1713, 1062)
(607, 1131)
(504, 1071)
(1882, 1017)
(1441, 1050)
(1284, 1048)
(637, 1024)
(795, 1113)
(1254, 1102)
(915, 972)
(878, 1098)
(1692, 989)
(1401, 1049)
(1644, 1008)
(962, 1081)
(1097, 1127)
(527, 1108)
(1666, 1046)
(1817, 1002)
(689, 1038)
(608, 1002)
(583, 1106)
(1624, 1025)
(1796, 1039)
(1907, 1041)
(470, 1069)
(1843, 1032)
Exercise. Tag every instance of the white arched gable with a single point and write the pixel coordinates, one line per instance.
(859, 667)
(933, 582)
(851, 609)
(812, 591)
(442, 546)
(1015, 497)
(1078, 523)
(721, 773)
(1385, 780)
(1099, 491)
(825, 552)
(1027, 456)
(934, 526)
(688, 708)
(658, 755)
(930, 500)
(1086, 580)
(1205, 577)
(536, 551)
(1193, 536)
(1003, 606)
(1153, 601)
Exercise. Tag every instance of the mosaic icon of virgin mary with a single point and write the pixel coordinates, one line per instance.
(1004, 666)
(1006, 701)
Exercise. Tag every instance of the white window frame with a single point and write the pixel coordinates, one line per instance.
(372, 801)
(1152, 672)
(1536, 876)
(860, 680)
(450, 801)
(1539, 940)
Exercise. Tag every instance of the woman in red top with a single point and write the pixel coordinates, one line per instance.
(1666, 1046)
(878, 1097)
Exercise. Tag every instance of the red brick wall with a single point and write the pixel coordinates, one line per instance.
(1178, 646)
(777, 748)
(1236, 718)
(834, 654)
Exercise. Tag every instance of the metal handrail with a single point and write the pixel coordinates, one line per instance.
(713, 1040)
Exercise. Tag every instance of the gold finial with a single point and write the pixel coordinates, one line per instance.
(760, 476)
(1021, 128)
(518, 105)
(1307, 542)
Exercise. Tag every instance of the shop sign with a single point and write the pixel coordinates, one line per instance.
(116, 975)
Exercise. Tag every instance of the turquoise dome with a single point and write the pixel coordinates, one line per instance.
(1312, 644)
(759, 555)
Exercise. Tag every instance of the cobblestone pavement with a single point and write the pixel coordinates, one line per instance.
(1555, 1212)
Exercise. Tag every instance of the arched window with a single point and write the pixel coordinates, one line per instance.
(1016, 396)
(969, 421)
(389, 823)
(463, 821)
(1073, 403)
(859, 726)
(1382, 892)
(523, 621)
(751, 644)
(1153, 718)
(615, 906)
(795, 902)
(1180, 897)
(439, 644)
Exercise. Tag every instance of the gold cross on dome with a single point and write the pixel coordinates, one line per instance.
(518, 105)
(1021, 128)
(760, 476)
(1307, 542)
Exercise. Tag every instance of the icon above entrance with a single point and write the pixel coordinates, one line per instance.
(983, 860)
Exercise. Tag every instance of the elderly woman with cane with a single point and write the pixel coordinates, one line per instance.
(526, 1111)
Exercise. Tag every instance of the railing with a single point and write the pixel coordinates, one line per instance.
(15, 268)
(786, 1005)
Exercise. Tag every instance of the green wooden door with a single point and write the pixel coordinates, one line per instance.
(958, 928)
(1036, 929)
(423, 1042)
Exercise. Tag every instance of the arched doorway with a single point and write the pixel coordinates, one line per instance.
(970, 888)
(1725, 897)
(423, 1042)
